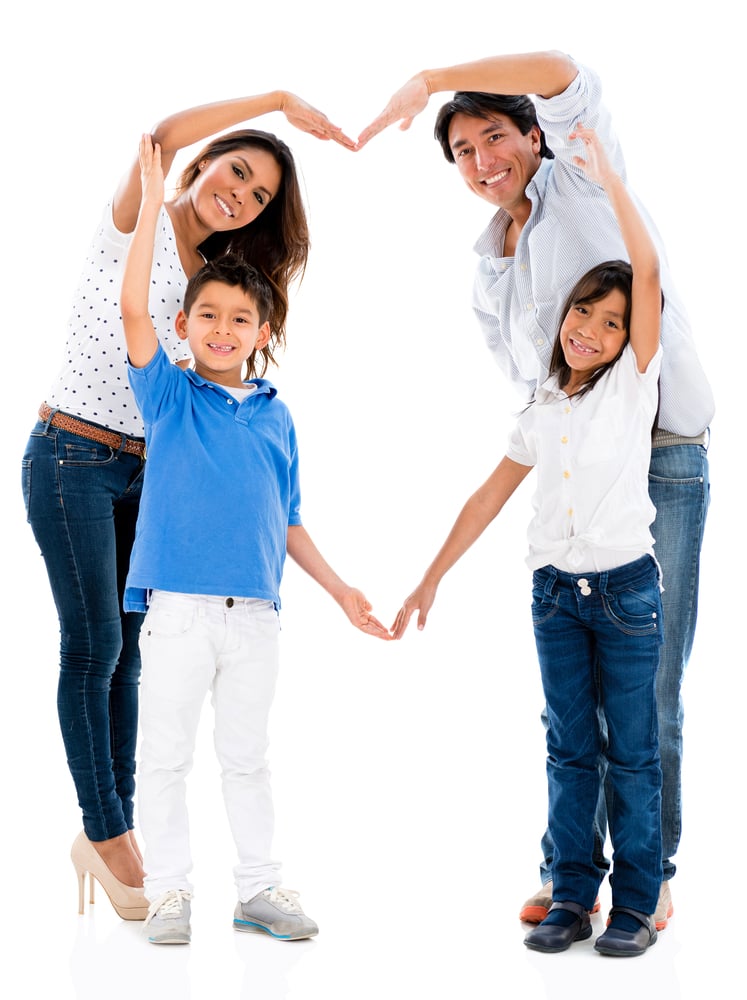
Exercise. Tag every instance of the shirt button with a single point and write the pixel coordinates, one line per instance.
(229, 602)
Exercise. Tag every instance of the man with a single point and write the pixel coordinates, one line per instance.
(551, 225)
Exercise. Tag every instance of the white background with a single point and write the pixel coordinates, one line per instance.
(409, 777)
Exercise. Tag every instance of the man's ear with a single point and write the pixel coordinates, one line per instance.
(180, 324)
(263, 337)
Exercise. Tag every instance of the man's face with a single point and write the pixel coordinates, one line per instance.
(494, 158)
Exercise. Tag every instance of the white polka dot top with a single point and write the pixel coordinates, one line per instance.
(93, 383)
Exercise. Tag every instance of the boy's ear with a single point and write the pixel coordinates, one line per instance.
(263, 337)
(180, 324)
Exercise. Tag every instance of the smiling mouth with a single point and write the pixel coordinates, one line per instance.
(581, 348)
(224, 207)
(495, 178)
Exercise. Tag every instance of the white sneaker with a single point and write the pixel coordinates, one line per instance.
(168, 918)
(277, 912)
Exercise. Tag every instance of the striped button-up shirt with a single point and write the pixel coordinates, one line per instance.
(572, 227)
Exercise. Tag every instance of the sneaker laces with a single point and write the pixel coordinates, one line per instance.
(286, 899)
(169, 904)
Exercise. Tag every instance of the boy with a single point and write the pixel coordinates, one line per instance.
(220, 508)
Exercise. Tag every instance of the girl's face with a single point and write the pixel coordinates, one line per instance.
(592, 335)
(232, 189)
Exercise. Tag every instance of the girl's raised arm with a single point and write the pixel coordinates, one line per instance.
(645, 324)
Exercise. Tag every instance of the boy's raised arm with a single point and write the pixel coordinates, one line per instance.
(139, 331)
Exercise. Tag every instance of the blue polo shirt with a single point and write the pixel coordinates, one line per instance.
(221, 487)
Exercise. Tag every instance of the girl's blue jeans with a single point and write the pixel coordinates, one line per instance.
(598, 637)
(81, 501)
(680, 491)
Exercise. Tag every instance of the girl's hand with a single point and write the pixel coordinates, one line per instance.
(596, 165)
(408, 102)
(151, 173)
(308, 119)
(420, 599)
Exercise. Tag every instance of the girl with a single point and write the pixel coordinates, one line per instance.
(596, 592)
(83, 466)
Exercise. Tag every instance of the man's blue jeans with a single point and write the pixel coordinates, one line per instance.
(598, 637)
(82, 501)
(680, 491)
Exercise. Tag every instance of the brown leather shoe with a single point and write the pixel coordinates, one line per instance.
(664, 908)
(536, 908)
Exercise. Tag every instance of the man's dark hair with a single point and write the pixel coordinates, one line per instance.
(519, 108)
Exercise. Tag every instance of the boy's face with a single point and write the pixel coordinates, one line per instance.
(223, 330)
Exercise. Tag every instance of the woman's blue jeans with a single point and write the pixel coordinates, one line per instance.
(679, 489)
(82, 502)
(598, 637)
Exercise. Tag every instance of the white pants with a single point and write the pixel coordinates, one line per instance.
(191, 644)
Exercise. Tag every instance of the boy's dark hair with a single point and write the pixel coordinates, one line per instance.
(277, 241)
(235, 272)
(594, 285)
(475, 104)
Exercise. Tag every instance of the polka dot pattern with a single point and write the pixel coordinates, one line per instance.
(93, 382)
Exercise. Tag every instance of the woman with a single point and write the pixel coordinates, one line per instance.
(83, 466)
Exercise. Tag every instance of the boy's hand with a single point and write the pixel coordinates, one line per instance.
(357, 608)
(422, 599)
(596, 165)
(151, 172)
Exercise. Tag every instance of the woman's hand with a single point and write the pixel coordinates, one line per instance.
(308, 119)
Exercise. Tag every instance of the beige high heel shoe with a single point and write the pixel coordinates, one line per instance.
(129, 901)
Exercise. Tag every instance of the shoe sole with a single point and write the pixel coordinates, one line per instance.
(613, 953)
(582, 935)
(252, 928)
(536, 914)
(661, 924)
(172, 939)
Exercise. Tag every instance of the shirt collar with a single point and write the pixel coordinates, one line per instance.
(263, 385)
(491, 238)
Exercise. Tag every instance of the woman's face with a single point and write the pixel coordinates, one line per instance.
(231, 190)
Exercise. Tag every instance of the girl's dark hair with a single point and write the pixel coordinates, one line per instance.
(518, 107)
(236, 273)
(277, 241)
(595, 284)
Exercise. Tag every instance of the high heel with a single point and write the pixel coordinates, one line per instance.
(129, 901)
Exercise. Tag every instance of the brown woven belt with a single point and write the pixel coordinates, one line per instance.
(119, 442)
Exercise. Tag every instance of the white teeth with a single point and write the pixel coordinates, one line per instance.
(582, 347)
(223, 206)
(495, 177)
